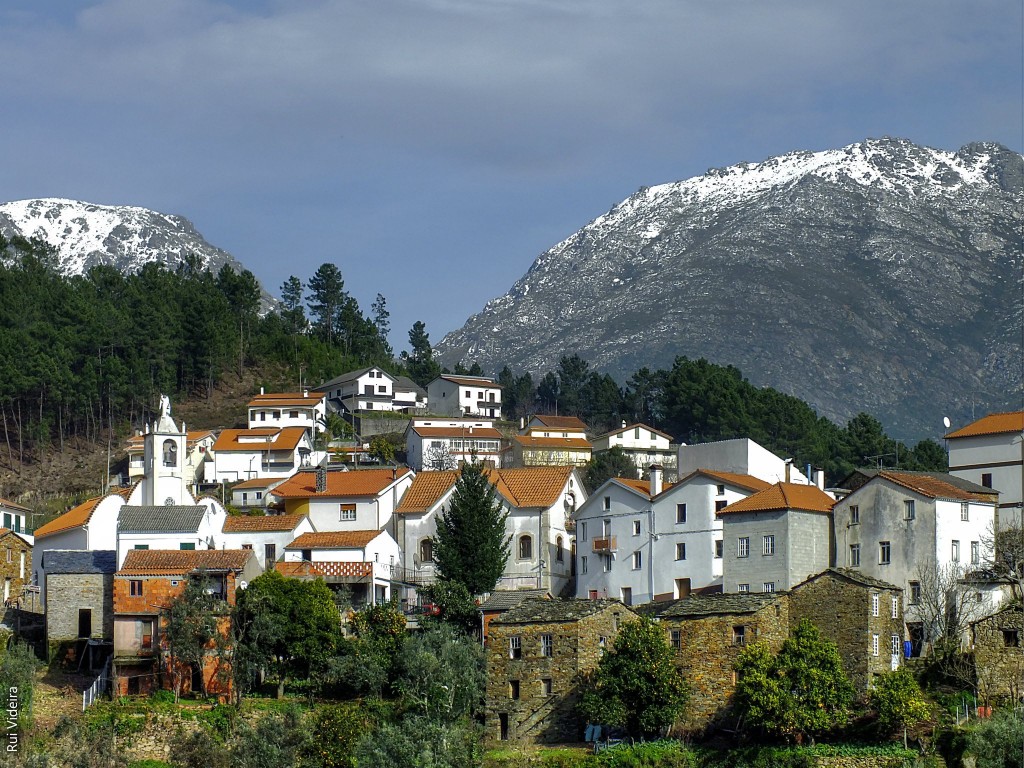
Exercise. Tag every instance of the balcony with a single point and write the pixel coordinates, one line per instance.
(605, 544)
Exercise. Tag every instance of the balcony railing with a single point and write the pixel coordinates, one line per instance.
(604, 544)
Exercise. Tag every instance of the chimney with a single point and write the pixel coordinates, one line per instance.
(819, 478)
(655, 471)
(261, 390)
(305, 392)
(321, 480)
(623, 424)
(789, 469)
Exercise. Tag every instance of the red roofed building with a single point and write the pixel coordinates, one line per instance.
(440, 444)
(264, 452)
(990, 453)
(365, 561)
(549, 441)
(345, 500)
(305, 409)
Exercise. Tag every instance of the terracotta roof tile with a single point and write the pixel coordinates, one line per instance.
(531, 441)
(272, 439)
(993, 424)
(783, 496)
(561, 422)
(426, 490)
(256, 482)
(257, 523)
(468, 432)
(278, 399)
(334, 540)
(73, 518)
(933, 487)
(355, 483)
(535, 486)
(174, 562)
(747, 482)
(12, 505)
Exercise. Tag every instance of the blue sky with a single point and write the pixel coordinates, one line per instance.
(433, 148)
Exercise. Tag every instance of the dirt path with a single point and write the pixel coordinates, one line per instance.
(57, 694)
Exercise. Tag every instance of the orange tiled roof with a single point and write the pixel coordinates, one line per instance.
(278, 399)
(643, 486)
(459, 432)
(281, 439)
(426, 489)
(256, 482)
(355, 483)
(933, 487)
(334, 540)
(782, 496)
(535, 486)
(261, 523)
(993, 424)
(175, 562)
(531, 441)
(73, 518)
(562, 422)
(748, 482)
(11, 505)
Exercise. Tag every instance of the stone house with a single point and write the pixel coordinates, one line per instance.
(15, 565)
(707, 634)
(862, 615)
(144, 588)
(999, 655)
(501, 601)
(80, 602)
(538, 655)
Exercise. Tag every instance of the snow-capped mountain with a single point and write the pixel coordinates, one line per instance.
(881, 277)
(84, 235)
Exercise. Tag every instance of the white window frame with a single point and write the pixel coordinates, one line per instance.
(874, 603)
(768, 545)
(638, 560)
(743, 546)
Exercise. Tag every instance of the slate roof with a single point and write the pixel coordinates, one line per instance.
(169, 519)
(784, 496)
(711, 605)
(471, 381)
(351, 376)
(539, 611)
(993, 424)
(851, 574)
(334, 540)
(76, 561)
(261, 523)
(174, 562)
(355, 483)
(406, 384)
(507, 599)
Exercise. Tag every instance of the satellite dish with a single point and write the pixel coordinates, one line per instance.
(945, 421)
(243, 584)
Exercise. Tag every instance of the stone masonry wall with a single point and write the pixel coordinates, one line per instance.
(708, 652)
(66, 594)
(999, 661)
(11, 549)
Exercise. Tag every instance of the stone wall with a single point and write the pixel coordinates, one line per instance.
(999, 655)
(708, 650)
(67, 594)
(12, 547)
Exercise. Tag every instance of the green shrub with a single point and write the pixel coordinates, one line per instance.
(998, 742)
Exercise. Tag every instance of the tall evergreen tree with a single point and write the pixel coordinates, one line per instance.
(292, 311)
(472, 546)
(419, 361)
(326, 300)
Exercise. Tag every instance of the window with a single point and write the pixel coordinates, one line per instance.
(720, 505)
(680, 513)
(895, 605)
(975, 553)
(739, 635)
(525, 547)
(638, 561)
(546, 687)
(583, 564)
(721, 490)
(908, 509)
(768, 546)
(743, 546)
(515, 647)
(681, 551)
(955, 554)
(855, 555)
(135, 587)
(606, 563)
(895, 645)
(247, 546)
(188, 546)
(607, 502)
(1011, 638)
(427, 551)
(769, 586)
(559, 550)
(676, 638)
(348, 513)
(141, 546)
(855, 515)
(382, 388)
(719, 547)
(743, 588)
(986, 479)
(636, 527)
(307, 555)
(513, 689)
(170, 453)
(965, 511)
(546, 645)
(884, 553)
(915, 592)
(293, 414)
(874, 604)
(270, 553)
(627, 599)
(874, 645)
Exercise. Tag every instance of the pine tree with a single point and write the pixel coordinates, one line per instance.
(291, 305)
(327, 299)
(472, 546)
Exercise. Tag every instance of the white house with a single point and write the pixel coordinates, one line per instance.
(255, 493)
(644, 445)
(193, 527)
(267, 452)
(744, 457)
(905, 527)
(990, 453)
(15, 516)
(452, 395)
(539, 500)
(198, 456)
(345, 500)
(373, 389)
(549, 441)
(303, 409)
(445, 443)
(638, 541)
(266, 535)
(362, 559)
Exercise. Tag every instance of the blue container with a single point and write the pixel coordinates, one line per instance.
(908, 649)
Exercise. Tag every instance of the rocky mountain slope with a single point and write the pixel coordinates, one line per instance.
(84, 235)
(882, 277)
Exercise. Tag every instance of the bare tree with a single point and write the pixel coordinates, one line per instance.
(947, 605)
(1008, 559)
(439, 457)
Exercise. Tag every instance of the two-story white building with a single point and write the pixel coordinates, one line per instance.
(15, 516)
(373, 389)
(990, 453)
(266, 535)
(438, 443)
(549, 441)
(906, 528)
(452, 395)
(266, 452)
(361, 559)
(644, 445)
(303, 409)
(539, 501)
(345, 500)
(254, 494)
